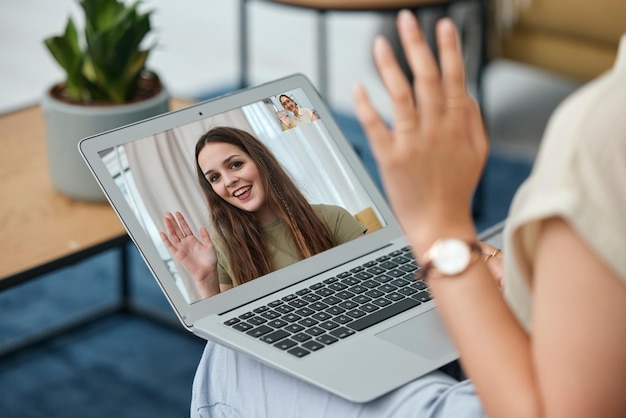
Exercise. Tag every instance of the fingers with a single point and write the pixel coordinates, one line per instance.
(171, 226)
(395, 82)
(204, 235)
(184, 226)
(422, 63)
(451, 57)
(374, 126)
(176, 227)
(168, 244)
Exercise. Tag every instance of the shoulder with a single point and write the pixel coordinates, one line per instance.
(329, 211)
(307, 111)
(578, 174)
(342, 225)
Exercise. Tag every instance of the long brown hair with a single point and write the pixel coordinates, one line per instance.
(239, 230)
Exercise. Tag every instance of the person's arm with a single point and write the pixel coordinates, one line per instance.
(579, 337)
(197, 256)
(430, 164)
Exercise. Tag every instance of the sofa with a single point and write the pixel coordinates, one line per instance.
(577, 39)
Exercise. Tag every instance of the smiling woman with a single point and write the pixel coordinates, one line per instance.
(261, 220)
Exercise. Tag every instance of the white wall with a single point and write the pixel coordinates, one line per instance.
(198, 47)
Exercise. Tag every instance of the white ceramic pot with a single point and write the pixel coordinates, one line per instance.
(66, 124)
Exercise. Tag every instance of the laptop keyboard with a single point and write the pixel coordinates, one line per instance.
(326, 312)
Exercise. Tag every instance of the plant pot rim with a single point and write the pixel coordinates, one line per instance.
(49, 97)
(148, 82)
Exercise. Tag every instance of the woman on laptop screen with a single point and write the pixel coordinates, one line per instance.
(261, 221)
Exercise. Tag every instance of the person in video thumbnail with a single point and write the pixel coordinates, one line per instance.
(301, 115)
(261, 221)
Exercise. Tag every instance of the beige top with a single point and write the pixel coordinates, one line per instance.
(579, 175)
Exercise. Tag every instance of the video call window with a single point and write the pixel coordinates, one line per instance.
(157, 174)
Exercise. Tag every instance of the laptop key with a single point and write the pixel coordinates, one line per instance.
(297, 303)
(408, 268)
(328, 325)
(232, 321)
(293, 328)
(331, 300)
(337, 286)
(361, 299)
(407, 291)
(291, 317)
(313, 345)
(383, 278)
(355, 313)
(419, 285)
(301, 337)
(382, 302)
(394, 296)
(284, 309)
(322, 316)
(312, 297)
(396, 273)
(256, 320)
(348, 304)
(304, 311)
(285, 344)
(246, 315)
(270, 315)
(368, 307)
(308, 322)
(382, 314)
(326, 339)
(315, 331)
(299, 352)
(324, 292)
(277, 323)
(342, 332)
(242, 326)
(374, 293)
(335, 310)
(275, 336)
(423, 296)
(342, 319)
(400, 282)
(259, 331)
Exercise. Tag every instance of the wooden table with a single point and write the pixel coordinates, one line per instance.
(41, 229)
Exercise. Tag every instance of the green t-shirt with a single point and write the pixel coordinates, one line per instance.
(283, 252)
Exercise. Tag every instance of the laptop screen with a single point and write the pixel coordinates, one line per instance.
(155, 174)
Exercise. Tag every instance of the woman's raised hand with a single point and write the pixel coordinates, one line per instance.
(433, 156)
(197, 256)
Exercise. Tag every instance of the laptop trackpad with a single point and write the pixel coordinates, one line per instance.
(424, 334)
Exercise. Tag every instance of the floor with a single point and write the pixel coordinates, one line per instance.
(197, 52)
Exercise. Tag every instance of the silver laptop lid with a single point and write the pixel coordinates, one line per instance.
(148, 168)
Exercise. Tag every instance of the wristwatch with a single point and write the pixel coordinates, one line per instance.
(449, 257)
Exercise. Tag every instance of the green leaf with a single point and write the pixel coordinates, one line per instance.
(111, 60)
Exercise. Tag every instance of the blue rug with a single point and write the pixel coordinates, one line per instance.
(128, 366)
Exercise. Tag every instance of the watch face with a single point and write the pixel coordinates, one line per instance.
(452, 256)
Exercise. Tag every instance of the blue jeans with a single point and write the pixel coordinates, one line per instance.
(233, 385)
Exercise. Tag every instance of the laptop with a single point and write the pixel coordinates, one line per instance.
(352, 320)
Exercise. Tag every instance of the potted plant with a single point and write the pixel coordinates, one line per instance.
(107, 85)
